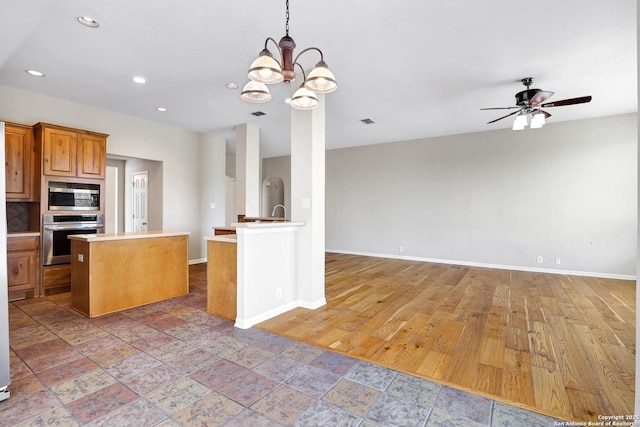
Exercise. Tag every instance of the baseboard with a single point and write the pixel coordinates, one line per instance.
(312, 305)
(254, 320)
(197, 261)
(497, 266)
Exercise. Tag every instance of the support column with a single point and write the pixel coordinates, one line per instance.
(248, 170)
(307, 202)
(212, 178)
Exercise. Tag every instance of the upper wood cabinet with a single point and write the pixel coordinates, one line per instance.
(19, 163)
(71, 152)
(92, 156)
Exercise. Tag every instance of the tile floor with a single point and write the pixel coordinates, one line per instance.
(173, 364)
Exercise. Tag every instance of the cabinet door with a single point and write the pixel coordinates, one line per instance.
(21, 271)
(59, 152)
(92, 156)
(18, 161)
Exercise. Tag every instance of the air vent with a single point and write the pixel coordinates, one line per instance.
(258, 113)
(367, 121)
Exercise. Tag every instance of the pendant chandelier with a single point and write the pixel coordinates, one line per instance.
(267, 70)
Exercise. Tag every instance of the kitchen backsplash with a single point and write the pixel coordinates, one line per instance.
(17, 216)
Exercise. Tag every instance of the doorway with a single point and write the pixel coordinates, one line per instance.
(273, 197)
(122, 185)
(141, 201)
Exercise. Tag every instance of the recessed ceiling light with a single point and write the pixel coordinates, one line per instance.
(88, 22)
(231, 86)
(34, 73)
(161, 109)
(139, 79)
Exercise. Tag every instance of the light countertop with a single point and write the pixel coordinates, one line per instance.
(103, 237)
(225, 238)
(257, 224)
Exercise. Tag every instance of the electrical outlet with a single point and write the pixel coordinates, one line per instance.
(558, 261)
(539, 260)
(401, 249)
(80, 258)
(279, 293)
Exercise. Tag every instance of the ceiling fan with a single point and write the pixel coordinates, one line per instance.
(531, 102)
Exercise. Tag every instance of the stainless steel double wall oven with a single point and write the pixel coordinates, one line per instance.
(83, 200)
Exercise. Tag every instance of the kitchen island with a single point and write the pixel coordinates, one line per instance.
(251, 275)
(116, 271)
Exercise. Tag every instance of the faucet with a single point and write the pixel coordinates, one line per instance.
(283, 209)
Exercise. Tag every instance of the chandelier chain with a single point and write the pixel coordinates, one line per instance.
(287, 25)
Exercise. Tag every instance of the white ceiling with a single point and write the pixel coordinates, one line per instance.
(419, 68)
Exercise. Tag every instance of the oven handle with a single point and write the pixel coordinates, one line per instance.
(73, 190)
(67, 226)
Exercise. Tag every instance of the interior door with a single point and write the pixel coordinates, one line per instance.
(140, 201)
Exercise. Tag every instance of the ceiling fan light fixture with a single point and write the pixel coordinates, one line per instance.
(538, 120)
(304, 99)
(520, 122)
(265, 69)
(255, 92)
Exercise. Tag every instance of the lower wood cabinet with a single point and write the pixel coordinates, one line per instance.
(22, 267)
(56, 277)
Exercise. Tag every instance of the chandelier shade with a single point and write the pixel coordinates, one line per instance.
(304, 99)
(321, 79)
(255, 92)
(269, 70)
(265, 69)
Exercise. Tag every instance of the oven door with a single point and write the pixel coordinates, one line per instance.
(56, 245)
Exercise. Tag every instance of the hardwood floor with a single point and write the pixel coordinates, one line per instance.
(560, 345)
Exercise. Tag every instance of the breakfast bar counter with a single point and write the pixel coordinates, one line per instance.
(116, 271)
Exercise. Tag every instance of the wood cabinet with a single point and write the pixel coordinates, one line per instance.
(123, 270)
(91, 155)
(20, 163)
(222, 278)
(56, 277)
(22, 261)
(71, 152)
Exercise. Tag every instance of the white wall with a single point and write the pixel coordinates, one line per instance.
(495, 198)
(637, 399)
(120, 190)
(177, 149)
(213, 185)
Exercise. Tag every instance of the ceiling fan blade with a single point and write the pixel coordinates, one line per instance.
(503, 117)
(499, 108)
(546, 115)
(541, 96)
(571, 101)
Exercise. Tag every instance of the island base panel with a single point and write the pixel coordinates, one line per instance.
(116, 275)
(221, 279)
